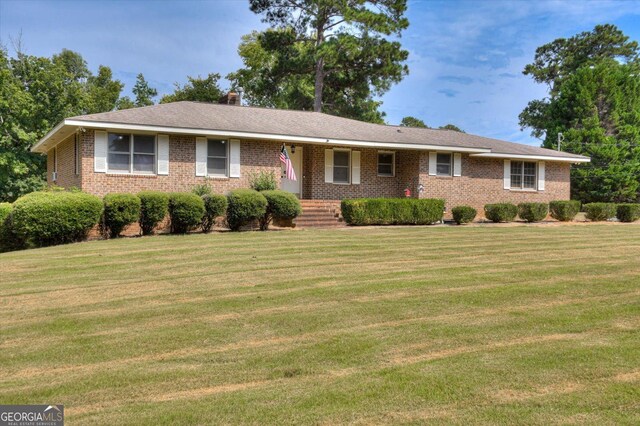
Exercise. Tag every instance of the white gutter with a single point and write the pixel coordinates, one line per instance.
(533, 157)
(251, 135)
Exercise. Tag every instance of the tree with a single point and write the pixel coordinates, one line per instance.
(413, 122)
(144, 93)
(36, 93)
(594, 101)
(125, 102)
(196, 89)
(103, 91)
(452, 127)
(326, 55)
(555, 61)
(73, 63)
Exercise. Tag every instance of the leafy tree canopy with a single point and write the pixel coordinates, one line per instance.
(143, 92)
(413, 122)
(35, 94)
(557, 60)
(451, 127)
(594, 101)
(325, 55)
(196, 89)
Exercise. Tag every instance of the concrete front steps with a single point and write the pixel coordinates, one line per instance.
(320, 214)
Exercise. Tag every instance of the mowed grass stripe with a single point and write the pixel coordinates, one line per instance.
(237, 327)
(299, 262)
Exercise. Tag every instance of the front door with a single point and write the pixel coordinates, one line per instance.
(289, 185)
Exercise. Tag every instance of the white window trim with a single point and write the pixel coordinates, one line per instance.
(77, 155)
(131, 152)
(522, 188)
(450, 154)
(348, 166)
(393, 164)
(226, 144)
(54, 175)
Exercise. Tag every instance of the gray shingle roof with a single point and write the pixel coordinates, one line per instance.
(206, 116)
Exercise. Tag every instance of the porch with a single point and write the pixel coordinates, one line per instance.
(336, 173)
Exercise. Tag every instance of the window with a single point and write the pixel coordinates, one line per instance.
(341, 166)
(523, 175)
(443, 164)
(132, 153)
(217, 155)
(386, 163)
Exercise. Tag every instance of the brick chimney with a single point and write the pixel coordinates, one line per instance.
(231, 98)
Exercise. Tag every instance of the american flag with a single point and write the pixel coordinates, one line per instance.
(284, 158)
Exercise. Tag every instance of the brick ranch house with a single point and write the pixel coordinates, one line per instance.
(175, 146)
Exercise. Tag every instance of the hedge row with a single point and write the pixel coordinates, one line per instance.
(58, 217)
(392, 211)
(410, 211)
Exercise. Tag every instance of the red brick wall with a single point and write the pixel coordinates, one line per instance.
(371, 185)
(67, 176)
(482, 183)
(254, 156)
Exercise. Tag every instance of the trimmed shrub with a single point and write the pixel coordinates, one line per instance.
(628, 212)
(463, 214)
(186, 211)
(5, 210)
(214, 207)
(280, 205)
(6, 239)
(245, 205)
(501, 212)
(600, 211)
(202, 190)
(392, 211)
(263, 181)
(49, 218)
(533, 212)
(564, 210)
(120, 210)
(154, 207)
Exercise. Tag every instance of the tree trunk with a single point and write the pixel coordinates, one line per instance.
(317, 101)
(319, 83)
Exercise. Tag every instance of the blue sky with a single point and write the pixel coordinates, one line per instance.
(466, 57)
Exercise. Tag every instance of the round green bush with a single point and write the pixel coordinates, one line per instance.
(533, 212)
(49, 218)
(214, 206)
(154, 207)
(120, 210)
(186, 211)
(501, 212)
(463, 214)
(628, 212)
(600, 211)
(245, 205)
(564, 210)
(280, 205)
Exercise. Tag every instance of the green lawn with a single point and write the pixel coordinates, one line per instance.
(526, 324)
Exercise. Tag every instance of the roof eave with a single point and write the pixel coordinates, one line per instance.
(559, 159)
(40, 145)
(266, 136)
